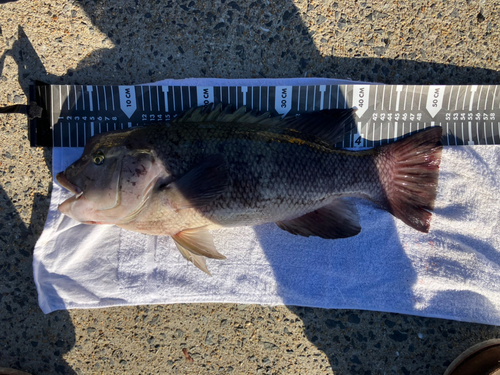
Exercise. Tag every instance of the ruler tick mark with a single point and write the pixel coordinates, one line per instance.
(83, 97)
(383, 99)
(182, 97)
(76, 97)
(142, 98)
(91, 102)
(465, 98)
(479, 98)
(158, 97)
(105, 98)
(314, 97)
(413, 97)
(473, 90)
(390, 97)
(449, 98)
(150, 99)
(112, 98)
(493, 100)
(456, 101)
(68, 98)
(486, 100)
(406, 97)
(420, 99)
(98, 98)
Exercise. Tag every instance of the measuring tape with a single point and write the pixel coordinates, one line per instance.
(469, 115)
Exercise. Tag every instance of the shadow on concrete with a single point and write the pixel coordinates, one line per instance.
(30, 341)
(155, 41)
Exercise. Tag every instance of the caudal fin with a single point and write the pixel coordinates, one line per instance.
(409, 172)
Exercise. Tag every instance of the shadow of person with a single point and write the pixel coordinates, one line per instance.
(369, 272)
(361, 272)
(31, 341)
(245, 39)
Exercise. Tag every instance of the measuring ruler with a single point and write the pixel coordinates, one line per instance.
(469, 115)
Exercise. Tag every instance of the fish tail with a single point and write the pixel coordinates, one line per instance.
(409, 171)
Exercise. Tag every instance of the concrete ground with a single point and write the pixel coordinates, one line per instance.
(130, 42)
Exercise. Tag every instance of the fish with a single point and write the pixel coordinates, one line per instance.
(222, 167)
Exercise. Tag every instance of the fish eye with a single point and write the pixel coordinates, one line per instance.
(98, 158)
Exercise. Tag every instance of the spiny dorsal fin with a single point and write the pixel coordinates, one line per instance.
(227, 114)
(329, 124)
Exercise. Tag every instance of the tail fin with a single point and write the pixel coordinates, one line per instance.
(409, 172)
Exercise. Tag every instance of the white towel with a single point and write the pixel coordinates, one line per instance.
(453, 272)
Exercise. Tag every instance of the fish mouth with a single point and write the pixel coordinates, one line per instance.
(68, 185)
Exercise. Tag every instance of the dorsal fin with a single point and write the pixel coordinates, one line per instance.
(227, 114)
(329, 124)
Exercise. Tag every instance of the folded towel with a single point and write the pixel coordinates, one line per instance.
(453, 272)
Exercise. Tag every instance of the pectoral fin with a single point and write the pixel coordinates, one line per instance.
(339, 219)
(201, 185)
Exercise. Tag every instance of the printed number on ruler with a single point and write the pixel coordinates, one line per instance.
(358, 140)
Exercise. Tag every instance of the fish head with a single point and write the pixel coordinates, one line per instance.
(111, 181)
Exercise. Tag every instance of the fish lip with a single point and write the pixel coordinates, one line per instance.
(67, 184)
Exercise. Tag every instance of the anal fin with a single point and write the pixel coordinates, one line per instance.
(339, 219)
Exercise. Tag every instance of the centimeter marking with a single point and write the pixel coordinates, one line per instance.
(469, 115)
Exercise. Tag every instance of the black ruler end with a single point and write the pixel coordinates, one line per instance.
(40, 129)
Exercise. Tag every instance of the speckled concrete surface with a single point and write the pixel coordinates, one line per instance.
(127, 42)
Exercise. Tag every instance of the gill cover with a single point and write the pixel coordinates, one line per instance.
(114, 180)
